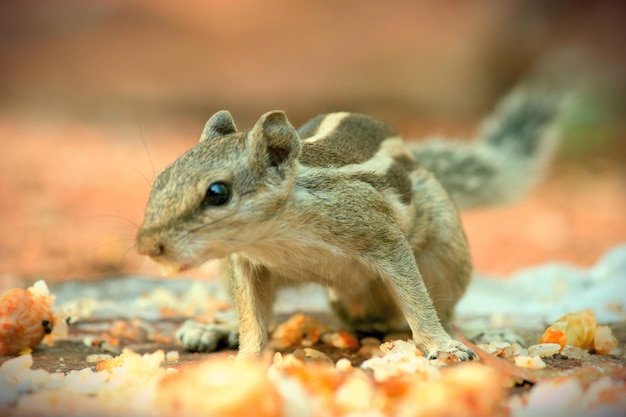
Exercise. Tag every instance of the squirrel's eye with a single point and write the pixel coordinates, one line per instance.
(217, 194)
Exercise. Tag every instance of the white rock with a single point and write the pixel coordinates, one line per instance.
(544, 350)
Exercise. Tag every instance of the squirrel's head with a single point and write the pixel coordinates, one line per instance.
(220, 196)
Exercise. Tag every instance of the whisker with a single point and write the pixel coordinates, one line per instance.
(113, 216)
(127, 165)
(127, 251)
(145, 146)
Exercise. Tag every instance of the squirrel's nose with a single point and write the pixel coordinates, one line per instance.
(150, 246)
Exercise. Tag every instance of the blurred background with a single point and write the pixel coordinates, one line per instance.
(96, 96)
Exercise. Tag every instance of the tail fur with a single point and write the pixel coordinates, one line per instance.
(508, 157)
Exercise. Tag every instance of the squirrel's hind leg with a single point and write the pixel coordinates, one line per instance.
(370, 310)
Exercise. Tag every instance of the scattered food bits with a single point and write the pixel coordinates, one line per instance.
(25, 351)
(281, 361)
(568, 396)
(86, 381)
(544, 350)
(396, 379)
(225, 387)
(54, 402)
(25, 318)
(581, 330)
(97, 358)
(530, 362)
(355, 395)
(299, 329)
(574, 329)
(312, 355)
(400, 346)
(503, 349)
(15, 365)
(469, 389)
(341, 340)
(574, 352)
(514, 349)
(370, 347)
(604, 343)
(305, 382)
(606, 391)
(110, 364)
(172, 356)
(344, 365)
(499, 346)
(400, 358)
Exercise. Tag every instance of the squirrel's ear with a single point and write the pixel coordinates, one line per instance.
(275, 137)
(220, 124)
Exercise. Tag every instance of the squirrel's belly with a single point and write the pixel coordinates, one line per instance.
(323, 265)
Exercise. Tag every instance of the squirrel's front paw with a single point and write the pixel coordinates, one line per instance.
(200, 337)
(452, 351)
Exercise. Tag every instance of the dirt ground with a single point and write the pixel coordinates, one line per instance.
(114, 328)
(73, 350)
(143, 314)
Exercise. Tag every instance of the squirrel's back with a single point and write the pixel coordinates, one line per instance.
(338, 139)
(507, 158)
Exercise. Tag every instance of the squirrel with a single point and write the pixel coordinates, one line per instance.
(346, 203)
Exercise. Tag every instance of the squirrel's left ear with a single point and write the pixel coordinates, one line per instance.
(275, 138)
(220, 124)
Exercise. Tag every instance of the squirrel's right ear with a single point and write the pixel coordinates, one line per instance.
(220, 124)
(274, 139)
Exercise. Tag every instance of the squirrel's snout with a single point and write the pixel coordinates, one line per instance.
(150, 246)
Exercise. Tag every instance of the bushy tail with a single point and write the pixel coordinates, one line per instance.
(508, 157)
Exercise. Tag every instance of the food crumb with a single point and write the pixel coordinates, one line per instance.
(604, 343)
(98, 357)
(530, 362)
(544, 350)
(172, 356)
(26, 317)
(344, 365)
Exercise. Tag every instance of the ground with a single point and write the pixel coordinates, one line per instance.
(145, 318)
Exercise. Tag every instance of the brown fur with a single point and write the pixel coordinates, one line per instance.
(341, 203)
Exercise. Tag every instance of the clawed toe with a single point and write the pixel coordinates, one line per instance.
(453, 352)
(199, 337)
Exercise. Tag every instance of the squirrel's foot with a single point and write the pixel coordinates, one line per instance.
(452, 350)
(200, 337)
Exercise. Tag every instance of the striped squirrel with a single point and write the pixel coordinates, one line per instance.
(343, 202)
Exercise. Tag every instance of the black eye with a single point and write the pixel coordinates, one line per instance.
(217, 194)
